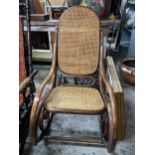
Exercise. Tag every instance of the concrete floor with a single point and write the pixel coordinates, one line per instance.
(66, 124)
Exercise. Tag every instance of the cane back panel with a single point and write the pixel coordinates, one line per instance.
(78, 41)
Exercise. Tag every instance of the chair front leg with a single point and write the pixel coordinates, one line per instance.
(112, 132)
(35, 111)
(36, 117)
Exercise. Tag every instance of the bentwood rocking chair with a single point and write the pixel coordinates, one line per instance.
(78, 53)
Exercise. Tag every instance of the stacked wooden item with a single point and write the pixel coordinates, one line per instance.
(119, 96)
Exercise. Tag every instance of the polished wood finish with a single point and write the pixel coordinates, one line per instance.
(119, 96)
(23, 85)
(98, 67)
(79, 139)
(111, 104)
(39, 100)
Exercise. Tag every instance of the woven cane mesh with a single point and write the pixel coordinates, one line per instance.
(78, 41)
(75, 98)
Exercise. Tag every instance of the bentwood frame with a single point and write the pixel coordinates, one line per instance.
(89, 64)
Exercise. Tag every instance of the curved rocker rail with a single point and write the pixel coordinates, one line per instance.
(27, 82)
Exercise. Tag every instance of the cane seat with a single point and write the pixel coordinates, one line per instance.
(73, 99)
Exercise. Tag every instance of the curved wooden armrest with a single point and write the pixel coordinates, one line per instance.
(48, 77)
(102, 73)
(38, 100)
(112, 115)
(26, 82)
(111, 94)
(50, 74)
(111, 105)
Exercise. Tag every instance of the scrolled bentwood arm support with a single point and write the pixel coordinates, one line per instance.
(49, 76)
(111, 106)
(37, 103)
(26, 82)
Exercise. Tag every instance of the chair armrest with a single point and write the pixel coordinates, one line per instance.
(38, 101)
(111, 105)
(110, 91)
(26, 82)
(112, 114)
(45, 81)
(107, 84)
(49, 76)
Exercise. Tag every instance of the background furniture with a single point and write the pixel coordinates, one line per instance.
(119, 96)
(26, 92)
(26, 75)
(112, 26)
